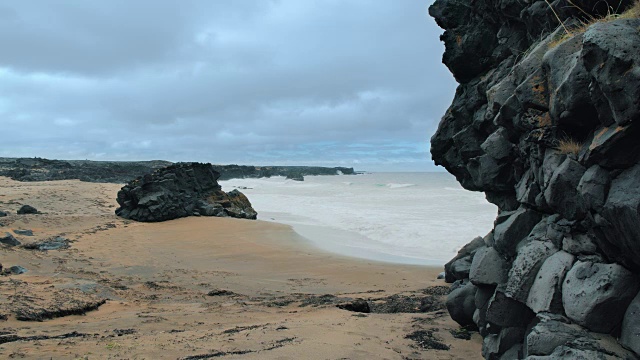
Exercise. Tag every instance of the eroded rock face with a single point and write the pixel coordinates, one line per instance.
(180, 190)
(547, 125)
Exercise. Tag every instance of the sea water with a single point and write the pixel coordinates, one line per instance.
(410, 218)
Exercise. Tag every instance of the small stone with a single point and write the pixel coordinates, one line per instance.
(17, 270)
(220, 292)
(27, 209)
(357, 305)
(9, 240)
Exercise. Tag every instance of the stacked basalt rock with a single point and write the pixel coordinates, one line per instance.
(546, 122)
(180, 190)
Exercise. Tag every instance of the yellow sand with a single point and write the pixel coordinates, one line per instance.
(156, 277)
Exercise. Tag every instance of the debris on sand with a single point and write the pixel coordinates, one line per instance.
(7, 338)
(357, 305)
(56, 243)
(23, 232)
(220, 292)
(27, 307)
(426, 340)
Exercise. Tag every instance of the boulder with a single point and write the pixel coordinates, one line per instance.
(496, 344)
(620, 219)
(514, 353)
(497, 145)
(562, 192)
(514, 229)
(565, 352)
(630, 335)
(180, 190)
(527, 190)
(580, 244)
(17, 270)
(461, 304)
(613, 147)
(613, 67)
(594, 187)
(27, 209)
(488, 268)
(3, 214)
(23, 232)
(550, 333)
(525, 269)
(458, 268)
(507, 312)
(596, 295)
(9, 240)
(545, 294)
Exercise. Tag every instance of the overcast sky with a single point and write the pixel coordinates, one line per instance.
(282, 82)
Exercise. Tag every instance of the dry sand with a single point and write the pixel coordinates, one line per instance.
(149, 283)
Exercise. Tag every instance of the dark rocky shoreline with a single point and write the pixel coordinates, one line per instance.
(120, 172)
(546, 123)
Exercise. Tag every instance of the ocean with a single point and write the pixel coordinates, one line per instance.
(408, 218)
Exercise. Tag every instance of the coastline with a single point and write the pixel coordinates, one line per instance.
(156, 277)
(344, 243)
(404, 218)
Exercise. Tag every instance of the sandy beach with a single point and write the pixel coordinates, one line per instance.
(200, 288)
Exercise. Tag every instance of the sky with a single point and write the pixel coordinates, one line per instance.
(282, 82)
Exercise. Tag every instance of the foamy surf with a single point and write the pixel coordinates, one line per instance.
(408, 218)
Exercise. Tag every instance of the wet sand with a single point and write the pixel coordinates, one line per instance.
(153, 279)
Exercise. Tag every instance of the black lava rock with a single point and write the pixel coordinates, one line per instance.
(546, 123)
(27, 209)
(180, 190)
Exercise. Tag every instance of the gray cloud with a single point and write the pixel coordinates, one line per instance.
(257, 82)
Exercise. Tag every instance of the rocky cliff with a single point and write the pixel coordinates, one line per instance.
(546, 123)
(180, 190)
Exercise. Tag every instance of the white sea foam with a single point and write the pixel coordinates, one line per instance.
(416, 218)
(397, 186)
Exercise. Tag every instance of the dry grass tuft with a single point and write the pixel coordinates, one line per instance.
(632, 12)
(568, 146)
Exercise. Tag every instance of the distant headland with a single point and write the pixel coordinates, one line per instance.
(40, 169)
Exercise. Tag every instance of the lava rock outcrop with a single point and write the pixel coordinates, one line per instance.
(546, 122)
(180, 190)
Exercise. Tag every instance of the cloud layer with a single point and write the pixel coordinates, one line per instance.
(356, 83)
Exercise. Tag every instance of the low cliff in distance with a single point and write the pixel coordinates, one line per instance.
(180, 190)
(243, 171)
(546, 123)
(119, 172)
